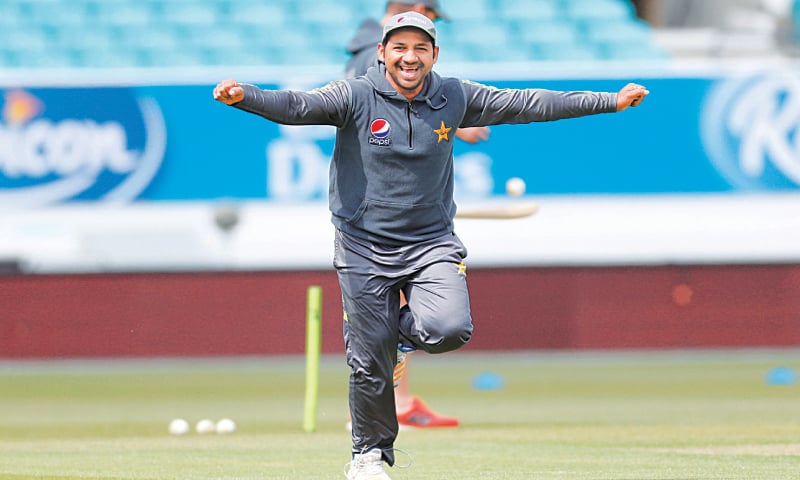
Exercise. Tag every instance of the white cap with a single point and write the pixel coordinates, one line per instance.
(410, 19)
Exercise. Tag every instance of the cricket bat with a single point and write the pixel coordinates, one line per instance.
(500, 211)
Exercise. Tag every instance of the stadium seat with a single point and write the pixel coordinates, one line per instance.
(176, 57)
(577, 52)
(114, 13)
(627, 51)
(470, 10)
(50, 59)
(247, 57)
(328, 36)
(11, 15)
(629, 39)
(329, 14)
(617, 31)
(148, 37)
(190, 36)
(198, 15)
(513, 10)
(131, 33)
(367, 8)
(263, 15)
(54, 12)
(79, 43)
(493, 55)
(481, 34)
(33, 39)
(10, 59)
(113, 57)
(598, 9)
(547, 33)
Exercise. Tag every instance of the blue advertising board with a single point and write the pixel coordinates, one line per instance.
(694, 134)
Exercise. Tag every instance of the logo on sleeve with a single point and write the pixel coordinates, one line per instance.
(379, 131)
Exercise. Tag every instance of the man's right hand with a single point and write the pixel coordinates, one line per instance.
(229, 92)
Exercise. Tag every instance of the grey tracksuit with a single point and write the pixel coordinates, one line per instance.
(391, 199)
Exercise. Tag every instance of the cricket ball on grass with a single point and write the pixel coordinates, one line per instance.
(225, 426)
(179, 426)
(205, 426)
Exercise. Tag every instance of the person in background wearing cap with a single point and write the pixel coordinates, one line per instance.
(391, 200)
(412, 412)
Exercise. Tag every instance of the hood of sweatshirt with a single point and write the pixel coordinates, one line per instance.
(431, 92)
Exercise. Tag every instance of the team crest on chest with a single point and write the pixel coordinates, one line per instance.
(379, 131)
(442, 132)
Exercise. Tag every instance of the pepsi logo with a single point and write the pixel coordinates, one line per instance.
(380, 128)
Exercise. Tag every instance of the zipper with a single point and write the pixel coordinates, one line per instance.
(409, 110)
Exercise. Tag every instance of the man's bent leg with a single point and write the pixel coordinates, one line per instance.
(437, 318)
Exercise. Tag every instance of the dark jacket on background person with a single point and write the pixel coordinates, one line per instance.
(364, 48)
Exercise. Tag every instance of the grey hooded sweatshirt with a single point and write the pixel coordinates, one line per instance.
(391, 175)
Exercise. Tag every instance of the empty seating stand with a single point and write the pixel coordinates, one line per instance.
(185, 33)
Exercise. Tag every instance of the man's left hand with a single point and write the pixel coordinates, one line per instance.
(631, 95)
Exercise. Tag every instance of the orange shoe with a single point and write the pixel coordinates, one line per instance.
(420, 416)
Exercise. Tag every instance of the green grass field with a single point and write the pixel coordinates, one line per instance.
(666, 415)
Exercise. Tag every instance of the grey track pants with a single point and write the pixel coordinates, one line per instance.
(437, 319)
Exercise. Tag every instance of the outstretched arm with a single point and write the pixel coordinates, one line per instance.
(487, 105)
(322, 106)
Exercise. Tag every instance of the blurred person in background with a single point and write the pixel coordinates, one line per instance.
(412, 412)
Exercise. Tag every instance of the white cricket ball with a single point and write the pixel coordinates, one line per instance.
(515, 186)
(205, 426)
(179, 426)
(226, 425)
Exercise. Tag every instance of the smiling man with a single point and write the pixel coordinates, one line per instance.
(408, 51)
(391, 200)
